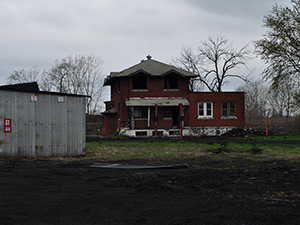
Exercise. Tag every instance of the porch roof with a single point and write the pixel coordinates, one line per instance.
(157, 101)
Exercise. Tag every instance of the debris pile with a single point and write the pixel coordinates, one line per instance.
(243, 132)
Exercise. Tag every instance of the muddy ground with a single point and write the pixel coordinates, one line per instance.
(231, 191)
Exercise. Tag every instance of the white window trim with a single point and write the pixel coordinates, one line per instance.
(205, 116)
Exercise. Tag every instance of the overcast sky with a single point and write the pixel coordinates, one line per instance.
(122, 32)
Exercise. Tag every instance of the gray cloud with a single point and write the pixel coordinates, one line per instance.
(122, 32)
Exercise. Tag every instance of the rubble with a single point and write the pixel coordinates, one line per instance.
(243, 132)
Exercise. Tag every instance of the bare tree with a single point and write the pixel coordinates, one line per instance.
(73, 74)
(215, 62)
(190, 62)
(79, 75)
(262, 100)
(256, 104)
(281, 97)
(24, 76)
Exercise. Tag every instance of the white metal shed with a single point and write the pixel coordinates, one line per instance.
(35, 123)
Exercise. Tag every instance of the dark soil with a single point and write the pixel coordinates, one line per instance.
(237, 191)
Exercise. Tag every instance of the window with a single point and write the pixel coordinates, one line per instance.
(139, 82)
(205, 110)
(228, 109)
(171, 82)
(140, 112)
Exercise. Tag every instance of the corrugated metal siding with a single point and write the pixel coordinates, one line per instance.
(44, 128)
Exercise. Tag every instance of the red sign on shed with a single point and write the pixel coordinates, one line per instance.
(7, 125)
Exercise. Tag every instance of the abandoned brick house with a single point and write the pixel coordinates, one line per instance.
(154, 99)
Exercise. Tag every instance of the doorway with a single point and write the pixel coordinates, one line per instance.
(175, 117)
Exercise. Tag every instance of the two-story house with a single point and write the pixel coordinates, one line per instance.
(154, 99)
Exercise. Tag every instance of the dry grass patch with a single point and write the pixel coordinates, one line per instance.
(146, 150)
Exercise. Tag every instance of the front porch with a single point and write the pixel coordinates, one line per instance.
(155, 117)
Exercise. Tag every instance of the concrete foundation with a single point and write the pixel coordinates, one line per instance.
(187, 131)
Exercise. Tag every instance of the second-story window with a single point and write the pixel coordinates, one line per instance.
(139, 82)
(171, 82)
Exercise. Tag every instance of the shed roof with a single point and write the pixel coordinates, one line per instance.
(22, 87)
(150, 67)
(33, 87)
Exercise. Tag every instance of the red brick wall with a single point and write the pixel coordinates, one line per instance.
(106, 129)
(155, 87)
(217, 99)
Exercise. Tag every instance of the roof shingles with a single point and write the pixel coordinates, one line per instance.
(152, 68)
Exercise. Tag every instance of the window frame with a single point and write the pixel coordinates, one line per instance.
(230, 111)
(205, 110)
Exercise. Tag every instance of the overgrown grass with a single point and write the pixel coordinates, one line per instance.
(116, 150)
(280, 149)
(277, 137)
(276, 151)
(239, 147)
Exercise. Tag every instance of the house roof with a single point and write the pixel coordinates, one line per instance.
(110, 111)
(149, 67)
(33, 87)
(156, 101)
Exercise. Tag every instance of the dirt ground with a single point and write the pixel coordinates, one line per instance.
(231, 191)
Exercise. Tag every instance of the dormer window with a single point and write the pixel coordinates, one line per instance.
(171, 82)
(139, 82)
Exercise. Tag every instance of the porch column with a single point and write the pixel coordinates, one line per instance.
(156, 119)
(148, 116)
(119, 117)
(180, 119)
(132, 118)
